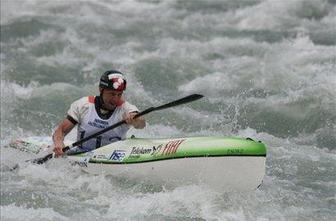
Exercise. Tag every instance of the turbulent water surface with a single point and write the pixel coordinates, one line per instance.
(266, 68)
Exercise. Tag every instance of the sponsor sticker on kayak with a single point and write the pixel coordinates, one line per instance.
(235, 151)
(171, 147)
(118, 155)
(167, 149)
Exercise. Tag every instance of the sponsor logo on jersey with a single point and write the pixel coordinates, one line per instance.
(98, 123)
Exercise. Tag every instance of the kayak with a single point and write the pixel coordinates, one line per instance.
(220, 163)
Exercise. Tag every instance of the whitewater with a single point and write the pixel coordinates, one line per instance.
(265, 67)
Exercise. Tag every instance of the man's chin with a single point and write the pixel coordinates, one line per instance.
(109, 107)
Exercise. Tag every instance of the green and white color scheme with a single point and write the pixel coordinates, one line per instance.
(218, 162)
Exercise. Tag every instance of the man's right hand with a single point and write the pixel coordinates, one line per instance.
(63, 129)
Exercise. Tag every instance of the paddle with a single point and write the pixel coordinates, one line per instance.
(184, 100)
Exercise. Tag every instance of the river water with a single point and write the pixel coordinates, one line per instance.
(265, 67)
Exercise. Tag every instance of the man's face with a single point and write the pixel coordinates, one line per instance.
(112, 98)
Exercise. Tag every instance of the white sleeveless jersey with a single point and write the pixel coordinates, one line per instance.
(89, 122)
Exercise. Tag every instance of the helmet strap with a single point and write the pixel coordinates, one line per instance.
(101, 98)
(101, 101)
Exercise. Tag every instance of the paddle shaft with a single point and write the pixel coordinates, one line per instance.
(184, 100)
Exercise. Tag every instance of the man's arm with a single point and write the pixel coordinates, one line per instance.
(58, 137)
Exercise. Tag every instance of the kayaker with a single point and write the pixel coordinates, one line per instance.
(94, 113)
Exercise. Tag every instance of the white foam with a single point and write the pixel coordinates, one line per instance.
(227, 61)
(156, 131)
(18, 213)
(209, 84)
(277, 15)
(9, 90)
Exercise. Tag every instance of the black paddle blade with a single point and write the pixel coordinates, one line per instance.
(184, 100)
(42, 159)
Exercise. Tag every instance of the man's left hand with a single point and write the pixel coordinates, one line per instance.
(129, 118)
(138, 122)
